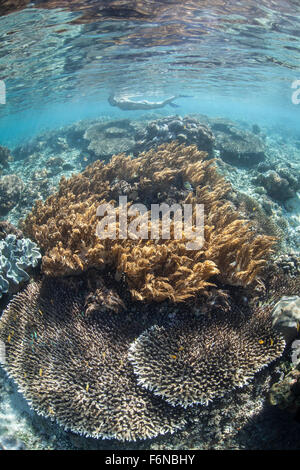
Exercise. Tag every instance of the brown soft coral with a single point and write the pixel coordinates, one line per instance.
(65, 226)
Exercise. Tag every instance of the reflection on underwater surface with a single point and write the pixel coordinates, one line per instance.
(228, 56)
(79, 80)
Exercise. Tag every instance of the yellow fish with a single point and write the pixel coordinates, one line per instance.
(87, 387)
(173, 356)
(261, 341)
(41, 372)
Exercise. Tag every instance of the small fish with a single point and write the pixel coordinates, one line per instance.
(254, 208)
(188, 186)
(298, 327)
(50, 410)
(40, 372)
(181, 348)
(9, 338)
(104, 354)
(87, 387)
(40, 312)
(271, 342)
(261, 341)
(35, 334)
(173, 356)
(85, 159)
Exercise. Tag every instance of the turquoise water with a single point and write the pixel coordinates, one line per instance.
(233, 68)
(237, 62)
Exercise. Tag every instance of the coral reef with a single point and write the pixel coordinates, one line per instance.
(281, 184)
(289, 263)
(237, 146)
(286, 393)
(187, 130)
(5, 157)
(7, 228)
(73, 367)
(107, 139)
(157, 269)
(264, 222)
(286, 317)
(197, 361)
(11, 187)
(16, 257)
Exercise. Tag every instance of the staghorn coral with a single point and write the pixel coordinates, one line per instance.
(196, 361)
(72, 366)
(65, 226)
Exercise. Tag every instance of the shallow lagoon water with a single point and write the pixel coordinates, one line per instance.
(231, 67)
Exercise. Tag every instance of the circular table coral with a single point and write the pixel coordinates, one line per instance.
(72, 366)
(195, 361)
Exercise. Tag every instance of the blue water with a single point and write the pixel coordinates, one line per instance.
(237, 62)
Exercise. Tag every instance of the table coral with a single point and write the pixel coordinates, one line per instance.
(73, 366)
(65, 226)
(198, 360)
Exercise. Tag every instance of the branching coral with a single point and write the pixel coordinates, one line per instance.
(72, 366)
(155, 269)
(196, 361)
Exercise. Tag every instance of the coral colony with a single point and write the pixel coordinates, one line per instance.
(65, 226)
(91, 344)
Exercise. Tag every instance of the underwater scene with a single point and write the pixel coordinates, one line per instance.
(149, 225)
